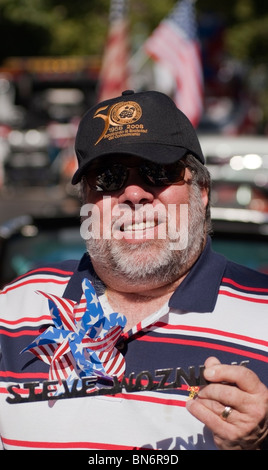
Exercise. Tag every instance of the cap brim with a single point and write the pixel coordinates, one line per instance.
(157, 153)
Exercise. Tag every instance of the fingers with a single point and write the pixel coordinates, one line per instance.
(238, 390)
(235, 386)
(211, 361)
(237, 431)
(251, 407)
(224, 395)
(210, 413)
(244, 378)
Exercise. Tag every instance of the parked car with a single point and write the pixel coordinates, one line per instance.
(242, 236)
(28, 161)
(239, 170)
(28, 241)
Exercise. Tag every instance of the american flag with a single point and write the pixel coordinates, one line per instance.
(174, 43)
(114, 75)
(81, 339)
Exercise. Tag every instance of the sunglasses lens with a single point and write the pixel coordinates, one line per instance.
(113, 177)
(108, 179)
(163, 175)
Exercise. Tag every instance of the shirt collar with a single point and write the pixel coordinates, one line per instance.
(84, 270)
(197, 293)
(199, 290)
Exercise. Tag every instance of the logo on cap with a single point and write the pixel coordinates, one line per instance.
(119, 120)
(125, 113)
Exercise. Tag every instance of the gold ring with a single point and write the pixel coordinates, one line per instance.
(226, 412)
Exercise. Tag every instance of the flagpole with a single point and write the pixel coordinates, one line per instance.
(114, 75)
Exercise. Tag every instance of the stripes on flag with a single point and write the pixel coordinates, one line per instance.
(174, 44)
(114, 75)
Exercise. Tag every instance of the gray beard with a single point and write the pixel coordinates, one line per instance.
(153, 261)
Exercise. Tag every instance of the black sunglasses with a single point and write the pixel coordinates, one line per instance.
(114, 177)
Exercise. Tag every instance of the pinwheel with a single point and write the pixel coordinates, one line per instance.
(81, 341)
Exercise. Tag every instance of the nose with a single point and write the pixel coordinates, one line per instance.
(135, 190)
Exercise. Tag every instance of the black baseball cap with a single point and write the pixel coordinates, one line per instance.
(146, 124)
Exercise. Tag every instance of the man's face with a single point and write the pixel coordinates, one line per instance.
(142, 231)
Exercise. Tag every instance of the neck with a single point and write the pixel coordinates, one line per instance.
(136, 307)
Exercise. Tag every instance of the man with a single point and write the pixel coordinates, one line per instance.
(152, 340)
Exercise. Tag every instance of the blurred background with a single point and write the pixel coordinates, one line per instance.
(57, 58)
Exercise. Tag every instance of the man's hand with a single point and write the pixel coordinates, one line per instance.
(239, 388)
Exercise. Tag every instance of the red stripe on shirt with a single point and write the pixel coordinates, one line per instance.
(212, 331)
(240, 286)
(242, 297)
(44, 270)
(20, 333)
(34, 281)
(204, 344)
(64, 445)
(20, 375)
(27, 319)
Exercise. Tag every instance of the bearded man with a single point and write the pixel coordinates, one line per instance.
(151, 340)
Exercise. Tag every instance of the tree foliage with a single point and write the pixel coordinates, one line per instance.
(68, 28)
(56, 27)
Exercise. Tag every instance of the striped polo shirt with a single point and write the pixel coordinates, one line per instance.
(220, 309)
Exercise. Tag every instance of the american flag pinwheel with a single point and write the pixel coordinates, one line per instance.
(81, 342)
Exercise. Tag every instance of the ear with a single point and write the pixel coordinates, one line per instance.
(204, 196)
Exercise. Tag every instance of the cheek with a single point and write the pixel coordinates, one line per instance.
(176, 200)
(104, 210)
(174, 195)
(92, 214)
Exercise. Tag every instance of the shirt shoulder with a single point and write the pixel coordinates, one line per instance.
(53, 271)
(19, 297)
(245, 278)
